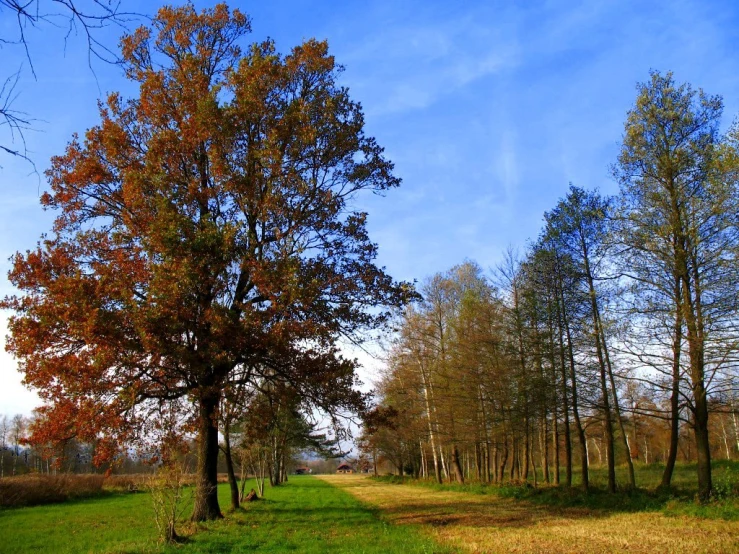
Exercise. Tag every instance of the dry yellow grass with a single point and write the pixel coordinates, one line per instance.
(477, 523)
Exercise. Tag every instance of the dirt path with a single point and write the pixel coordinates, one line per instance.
(487, 523)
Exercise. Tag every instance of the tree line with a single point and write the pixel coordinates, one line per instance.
(614, 334)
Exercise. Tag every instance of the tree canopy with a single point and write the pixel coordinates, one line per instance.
(203, 238)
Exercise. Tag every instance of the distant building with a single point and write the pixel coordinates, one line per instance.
(345, 468)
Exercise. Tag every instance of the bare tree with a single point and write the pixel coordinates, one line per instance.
(4, 430)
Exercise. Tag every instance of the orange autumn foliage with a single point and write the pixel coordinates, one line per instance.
(203, 237)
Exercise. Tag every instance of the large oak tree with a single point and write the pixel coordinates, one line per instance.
(204, 237)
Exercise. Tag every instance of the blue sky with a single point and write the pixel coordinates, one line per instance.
(488, 109)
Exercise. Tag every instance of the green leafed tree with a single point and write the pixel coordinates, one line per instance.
(678, 229)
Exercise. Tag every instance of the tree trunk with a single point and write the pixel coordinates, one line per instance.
(565, 407)
(582, 440)
(526, 449)
(544, 446)
(555, 445)
(702, 446)
(456, 464)
(504, 459)
(675, 393)
(429, 413)
(726, 437)
(616, 407)
(233, 484)
(608, 419)
(206, 492)
(696, 352)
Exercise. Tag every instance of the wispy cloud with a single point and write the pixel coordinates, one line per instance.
(409, 66)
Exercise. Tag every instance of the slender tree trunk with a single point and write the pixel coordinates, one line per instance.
(616, 407)
(544, 446)
(608, 419)
(526, 449)
(555, 445)
(565, 404)
(496, 461)
(233, 484)
(487, 462)
(726, 438)
(504, 459)
(675, 392)
(696, 351)
(429, 413)
(444, 466)
(243, 474)
(564, 323)
(456, 464)
(486, 435)
(206, 492)
(533, 464)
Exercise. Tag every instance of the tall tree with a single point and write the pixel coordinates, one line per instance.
(580, 224)
(203, 239)
(679, 205)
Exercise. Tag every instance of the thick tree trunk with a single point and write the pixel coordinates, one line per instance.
(703, 447)
(206, 492)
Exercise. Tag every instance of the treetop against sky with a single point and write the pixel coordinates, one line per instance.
(488, 111)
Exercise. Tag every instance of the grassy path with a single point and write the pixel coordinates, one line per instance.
(306, 515)
(488, 523)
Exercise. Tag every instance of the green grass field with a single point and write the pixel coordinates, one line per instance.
(360, 515)
(306, 515)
